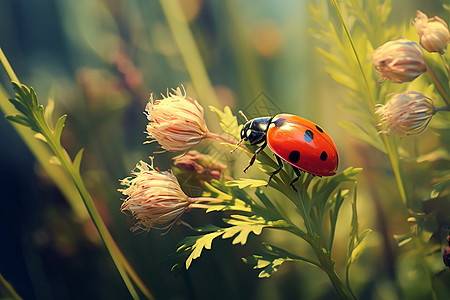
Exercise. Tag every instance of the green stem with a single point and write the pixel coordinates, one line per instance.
(9, 287)
(327, 264)
(325, 261)
(189, 51)
(393, 157)
(445, 108)
(347, 281)
(341, 289)
(9, 70)
(445, 65)
(395, 163)
(119, 259)
(439, 86)
(305, 215)
(90, 206)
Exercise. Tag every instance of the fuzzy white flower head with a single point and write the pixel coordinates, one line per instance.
(400, 60)
(176, 122)
(433, 33)
(154, 198)
(406, 113)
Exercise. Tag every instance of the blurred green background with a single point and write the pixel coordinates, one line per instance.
(99, 61)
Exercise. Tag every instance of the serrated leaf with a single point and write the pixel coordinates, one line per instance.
(39, 136)
(203, 242)
(438, 188)
(19, 120)
(363, 136)
(356, 244)
(77, 160)
(235, 204)
(271, 268)
(20, 106)
(359, 247)
(54, 161)
(59, 127)
(228, 122)
(243, 183)
(270, 262)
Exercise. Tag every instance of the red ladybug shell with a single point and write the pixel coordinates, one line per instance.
(302, 144)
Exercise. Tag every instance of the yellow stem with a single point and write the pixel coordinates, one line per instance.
(9, 70)
(439, 86)
(187, 46)
(119, 259)
(9, 288)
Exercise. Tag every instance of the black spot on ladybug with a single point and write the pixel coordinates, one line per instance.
(320, 129)
(279, 122)
(294, 156)
(309, 135)
(323, 156)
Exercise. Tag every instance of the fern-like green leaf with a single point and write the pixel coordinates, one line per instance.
(243, 183)
(77, 160)
(271, 261)
(228, 122)
(59, 127)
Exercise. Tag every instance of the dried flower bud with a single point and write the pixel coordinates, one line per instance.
(200, 164)
(399, 61)
(406, 113)
(154, 198)
(433, 33)
(176, 122)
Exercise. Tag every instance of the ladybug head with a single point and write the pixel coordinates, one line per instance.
(255, 130)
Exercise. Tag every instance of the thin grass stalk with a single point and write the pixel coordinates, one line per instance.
(438, 86)
(189, 51)
(9, 288)
(119, 259)
(446, 66)
(43, 155)
(393, 156)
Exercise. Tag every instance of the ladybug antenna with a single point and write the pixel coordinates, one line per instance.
(237, 146)
(242, 114)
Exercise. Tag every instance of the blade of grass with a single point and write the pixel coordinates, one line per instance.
(190, 53)
(9, 288)
(119, 259)
(393, 155)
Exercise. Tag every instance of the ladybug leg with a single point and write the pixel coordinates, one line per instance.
(280, 166)
(252, 160)
(297, 172)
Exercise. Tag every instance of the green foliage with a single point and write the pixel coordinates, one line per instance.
(271, 260)
(228, 122)
(356, 240)
(35, 117)
(251, 210)
(347, 49)
(241, 227)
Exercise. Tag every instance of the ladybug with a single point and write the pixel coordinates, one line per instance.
(298, 141)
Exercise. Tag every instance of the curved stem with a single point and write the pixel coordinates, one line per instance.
(393, 156)
(446, 65)
(439, 86)
(189, 51)
(444, 108)
(9, 70)
(9, 288)
(123, 266)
